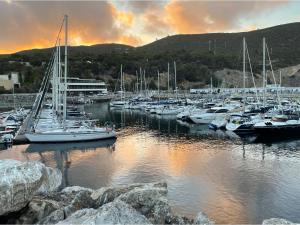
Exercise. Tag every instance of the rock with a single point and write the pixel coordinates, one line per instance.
(276, 221)
(181, 220)
(68, 194)
(150, 200)
(202, 218)
(84, 216)
(20, 181)
(116, 212)
(54, 217)
(37, 210)
(73, 190)
(81, 200)
(108, 194)
(52, 180)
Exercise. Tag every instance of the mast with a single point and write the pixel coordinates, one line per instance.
(121, 87)
(66, 72)
(141, 80)
(14, 100)
(59, 79)
(145, 84)
(211, 85)
(53, 82)
(244, 70)
(175, 78)
(137, 82)
(280, 79)
(168, 80)
(264, 71)
(158, 85)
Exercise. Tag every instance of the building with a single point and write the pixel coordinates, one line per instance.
(78, 86)
(8, 81)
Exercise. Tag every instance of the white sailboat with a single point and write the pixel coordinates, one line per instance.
(65, 133)
(120, 103)
(71, 135)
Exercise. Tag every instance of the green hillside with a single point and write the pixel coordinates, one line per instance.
(196, 61)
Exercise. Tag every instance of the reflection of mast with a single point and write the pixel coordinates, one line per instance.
(42, 158)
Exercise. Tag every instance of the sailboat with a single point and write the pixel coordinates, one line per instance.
(120, 103)
(85, 132)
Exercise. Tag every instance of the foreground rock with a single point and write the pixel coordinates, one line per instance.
(276, 221)
(116, 212)
(20, 181)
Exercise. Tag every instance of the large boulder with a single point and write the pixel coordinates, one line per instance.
(20, 181)
(108, 194)
(116, 212)
(276, 221)
(81, 200)
(54, 217)
(38, 208)
(150, 200)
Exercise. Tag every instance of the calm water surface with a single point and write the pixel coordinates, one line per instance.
(213, 172)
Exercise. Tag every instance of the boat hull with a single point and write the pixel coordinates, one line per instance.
(68, 137)
(277, 131)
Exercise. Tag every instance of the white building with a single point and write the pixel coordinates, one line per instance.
(78, 86)
(8, 81)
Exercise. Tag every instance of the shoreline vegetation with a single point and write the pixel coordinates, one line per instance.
(30, 193)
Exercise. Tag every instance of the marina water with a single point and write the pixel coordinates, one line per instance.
(232, 181)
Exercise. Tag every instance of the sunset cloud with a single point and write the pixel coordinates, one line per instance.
(34, 24)
(211, 16)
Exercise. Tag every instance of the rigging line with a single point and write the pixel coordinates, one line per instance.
(251, 71)
(270, 63)
(60, 29)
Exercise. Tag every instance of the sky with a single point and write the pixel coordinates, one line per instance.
(35, 24)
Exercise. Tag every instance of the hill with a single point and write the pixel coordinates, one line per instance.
(283, 41)
(198, 57)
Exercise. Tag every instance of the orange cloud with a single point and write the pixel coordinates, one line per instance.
(26, 24)
(125, 18)
(155, 23)
(213, 16)
(130, 40)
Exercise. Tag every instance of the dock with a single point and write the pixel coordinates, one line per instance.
(27, 124)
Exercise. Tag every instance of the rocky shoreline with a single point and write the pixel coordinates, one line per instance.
(30, 194)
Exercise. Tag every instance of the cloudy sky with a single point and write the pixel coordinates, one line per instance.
(34, 24)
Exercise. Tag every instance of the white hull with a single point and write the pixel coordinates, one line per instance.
(169, 111)
(203, 119)
(218, 123)
(50, 137)
(206, 118)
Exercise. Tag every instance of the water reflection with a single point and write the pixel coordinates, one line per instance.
(61, 153)
(229, 178)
